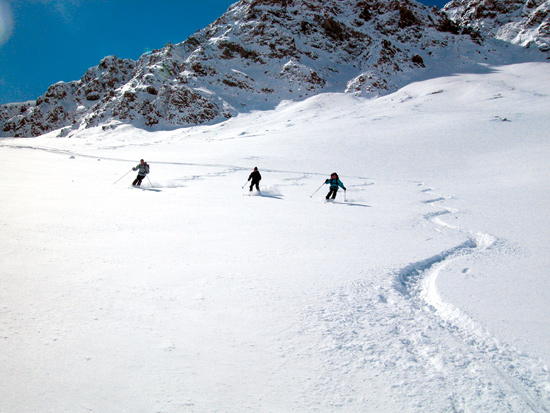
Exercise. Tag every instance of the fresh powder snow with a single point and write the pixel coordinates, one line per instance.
(424, 287)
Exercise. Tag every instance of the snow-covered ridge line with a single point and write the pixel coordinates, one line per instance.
(260, 53)
(518, 22)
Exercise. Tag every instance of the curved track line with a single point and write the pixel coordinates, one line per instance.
(418, 280)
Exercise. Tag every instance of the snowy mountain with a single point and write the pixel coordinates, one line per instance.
(516, 21)
(261, 52)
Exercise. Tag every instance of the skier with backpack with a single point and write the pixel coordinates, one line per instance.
(143, 169)
(256, 178)
(334, 182)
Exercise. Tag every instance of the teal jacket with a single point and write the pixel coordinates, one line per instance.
(335, 183)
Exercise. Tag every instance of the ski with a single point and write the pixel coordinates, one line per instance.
(147, 189)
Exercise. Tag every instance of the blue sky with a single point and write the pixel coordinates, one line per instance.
(46, 41)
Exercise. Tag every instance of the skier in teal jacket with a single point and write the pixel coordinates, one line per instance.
(334, 182)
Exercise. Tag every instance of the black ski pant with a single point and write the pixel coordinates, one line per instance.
(255, 183)
(137, 181)
(332, 193)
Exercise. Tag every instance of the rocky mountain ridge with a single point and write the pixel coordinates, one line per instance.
(521, 22)
(261, 52)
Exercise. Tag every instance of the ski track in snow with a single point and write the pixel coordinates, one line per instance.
(399, 325)
(392, 329)
(229, 168)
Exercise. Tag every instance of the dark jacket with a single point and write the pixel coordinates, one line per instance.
(255, 176)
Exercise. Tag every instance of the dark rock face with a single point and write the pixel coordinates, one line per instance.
(64, 104)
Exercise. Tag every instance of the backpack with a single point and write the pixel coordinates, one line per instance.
(146, 168)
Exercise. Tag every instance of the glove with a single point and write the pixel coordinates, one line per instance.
(133, 169)
(344, 188)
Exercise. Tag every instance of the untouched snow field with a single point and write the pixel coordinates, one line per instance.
(425, 288)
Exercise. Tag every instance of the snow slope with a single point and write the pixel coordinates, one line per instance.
(424, 288)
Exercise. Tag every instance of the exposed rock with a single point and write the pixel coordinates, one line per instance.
(261, 52)
(522, 22)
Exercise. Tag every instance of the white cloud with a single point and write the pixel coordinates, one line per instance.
(6, 22)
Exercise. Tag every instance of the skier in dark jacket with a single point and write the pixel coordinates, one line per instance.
(256, 178)
(334, 182)
(143, 169)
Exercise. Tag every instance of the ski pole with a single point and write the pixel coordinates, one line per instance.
(245, 184)
(124, 175)
(311, 196)
(345, 200)
(150, 183)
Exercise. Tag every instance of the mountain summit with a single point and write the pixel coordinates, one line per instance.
(261, 52)
(516, 21)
